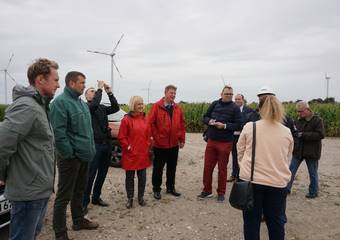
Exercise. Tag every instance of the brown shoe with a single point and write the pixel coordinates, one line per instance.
(85, 224)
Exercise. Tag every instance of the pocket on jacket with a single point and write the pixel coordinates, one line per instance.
(77, 122)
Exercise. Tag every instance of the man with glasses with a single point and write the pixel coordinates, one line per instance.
(102, 138)
(223, 117)
(310, 132)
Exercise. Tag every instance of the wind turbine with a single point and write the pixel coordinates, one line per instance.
(5, 70)
(113, 63)
(222, 78)
(148, 89)
(327, 84)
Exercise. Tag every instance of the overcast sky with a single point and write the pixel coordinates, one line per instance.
(288, 45)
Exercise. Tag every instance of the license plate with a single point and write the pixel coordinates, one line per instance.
(5, 206)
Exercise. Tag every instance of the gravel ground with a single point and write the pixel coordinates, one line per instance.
(188, 218)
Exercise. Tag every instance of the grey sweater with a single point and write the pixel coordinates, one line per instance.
(27, 147)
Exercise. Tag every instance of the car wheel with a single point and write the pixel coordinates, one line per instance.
(116, 156)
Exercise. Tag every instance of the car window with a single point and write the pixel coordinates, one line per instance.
(116, 117)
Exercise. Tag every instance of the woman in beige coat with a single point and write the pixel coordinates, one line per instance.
(274, 146)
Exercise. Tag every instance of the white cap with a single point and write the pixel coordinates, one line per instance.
(265, 90)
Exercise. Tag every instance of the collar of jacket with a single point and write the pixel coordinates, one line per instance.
(134, 114)
(43, 100)
(161, 103)
(71, 92)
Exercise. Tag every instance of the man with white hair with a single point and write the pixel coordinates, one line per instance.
(310, 132)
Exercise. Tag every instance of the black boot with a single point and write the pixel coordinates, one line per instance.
(129, 203)
(141, 201)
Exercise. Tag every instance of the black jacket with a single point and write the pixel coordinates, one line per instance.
(288, 122)
(99, 112)
(224, 112)
(309, 144)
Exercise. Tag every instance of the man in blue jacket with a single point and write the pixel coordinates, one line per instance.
(223, 117)
(239, 101)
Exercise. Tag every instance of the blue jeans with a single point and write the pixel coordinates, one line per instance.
(271, 202)
(98, 170)
(27, 219)
(312, 166)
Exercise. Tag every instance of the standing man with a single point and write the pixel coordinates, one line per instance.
(168, 132)
(102, 138)
(310, 133)
(71, 120)
(239, 101)
(254, 116)
(27, 150)
(223, 117)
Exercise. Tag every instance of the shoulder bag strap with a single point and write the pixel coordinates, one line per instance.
(253, 152)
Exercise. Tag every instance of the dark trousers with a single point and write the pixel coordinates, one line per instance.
(236, 169)
(312, 166)
(71, 186)
(130, 182)
(270, 202)
(169, 157)
(216, 152)
(97, 170)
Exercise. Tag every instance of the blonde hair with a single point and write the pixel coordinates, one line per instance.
(272, 109)
(133, 101)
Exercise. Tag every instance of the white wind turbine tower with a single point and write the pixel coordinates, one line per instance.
(148, 90)
(222, 78)
(327, 84)
(113, 63)
(5, 70)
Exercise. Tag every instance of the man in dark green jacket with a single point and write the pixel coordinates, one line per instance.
(308, 146)
(27, 150)
(71, 121)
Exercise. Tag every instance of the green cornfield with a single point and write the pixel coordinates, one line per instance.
(329, 112)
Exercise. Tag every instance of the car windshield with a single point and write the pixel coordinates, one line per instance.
(116, 117)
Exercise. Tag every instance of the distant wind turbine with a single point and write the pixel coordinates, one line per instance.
(327, 84)
(222, 78)
(148, 90)
(113, 63)
(5, 70)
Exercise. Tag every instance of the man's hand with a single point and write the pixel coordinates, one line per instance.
(2, 183)
(181, 145)
(107, 88)
(219, 125)
(100, 84)
(212, 122)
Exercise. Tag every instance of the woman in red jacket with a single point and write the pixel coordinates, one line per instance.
(134, 137)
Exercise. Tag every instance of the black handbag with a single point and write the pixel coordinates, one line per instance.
(241, 194)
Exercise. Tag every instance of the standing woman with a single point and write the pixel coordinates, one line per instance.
(274, 146)
(134, 137)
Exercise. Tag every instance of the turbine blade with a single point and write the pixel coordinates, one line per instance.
(10, 76)
(114, 49)
(114, 64)
(99, 52)
(10, 60)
